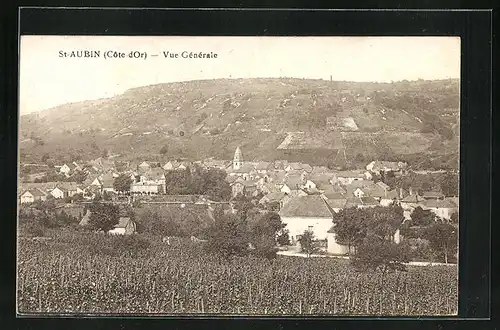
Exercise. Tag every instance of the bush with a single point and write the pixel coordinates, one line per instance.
(32, 229)
(376, 253)
(132, 246)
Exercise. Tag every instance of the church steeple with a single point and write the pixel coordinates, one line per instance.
(238, 159)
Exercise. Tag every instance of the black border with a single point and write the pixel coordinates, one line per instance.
(474, 27)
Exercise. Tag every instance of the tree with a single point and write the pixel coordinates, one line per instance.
(376, 253)
(153, 223)
(122, 183)
(384, 221)
(443, 238)
(421, 217)
(351, 227)
(45, 157)
(307, 243)
(164, 150)
(283, 237)
(449, 184)
(454, 217)
(228, 236)
(106, 196)
(215, 185)
(263, 230)
(103, 216)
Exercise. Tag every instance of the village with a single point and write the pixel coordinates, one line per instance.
(306, 197)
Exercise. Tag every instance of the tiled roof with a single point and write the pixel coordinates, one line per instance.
(412, 199)
(69, 186)
(293, 181)
(36, 192)
(438, 204)
(337, 203)
(306, 206)
(333, 195)
(246, 168)
(350, 174)
(432, 194)
(274, 196)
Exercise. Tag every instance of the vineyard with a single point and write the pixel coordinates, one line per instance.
(79, 272)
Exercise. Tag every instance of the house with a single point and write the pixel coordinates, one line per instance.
(360, 188)
(145, 188)
(278, 198)
(319, 181)
(58, 193)
(263, 167)
(411, 201)
(321, 170)
(243, 170)
(125, 226)
(65, 169)
(33, 176)
(391, 196)
(175, 165)
(154, 175)
(378, 166)
(347, 177)
(243, 187)
(332, 246)
(32, 195)
(177, 199)
(278, 165)
(307, 213)
(298, 167)
(107, 181)
(93, 182)
(361, 202)
(69, 189)
(336, 204)
(333, 191)
(217, 164)
(441, 208)
(432, 195)
(292, 182)
(102, 165)
(268, 187)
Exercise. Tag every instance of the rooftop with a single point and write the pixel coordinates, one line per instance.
(306, 206)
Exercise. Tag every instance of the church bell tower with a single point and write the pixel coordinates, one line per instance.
(238, 159)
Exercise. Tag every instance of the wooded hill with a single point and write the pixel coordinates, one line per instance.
(209, 118)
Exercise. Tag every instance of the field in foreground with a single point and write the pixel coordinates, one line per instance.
(78, 272)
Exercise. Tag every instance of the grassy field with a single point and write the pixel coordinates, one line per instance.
(79, 272)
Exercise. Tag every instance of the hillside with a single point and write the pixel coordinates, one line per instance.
(209, 118)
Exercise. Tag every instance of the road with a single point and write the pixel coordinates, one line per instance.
(411, 263)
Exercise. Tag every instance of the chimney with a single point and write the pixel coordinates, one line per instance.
(401, 193)
(411, 191)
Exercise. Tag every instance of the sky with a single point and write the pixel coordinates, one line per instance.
(47, 80)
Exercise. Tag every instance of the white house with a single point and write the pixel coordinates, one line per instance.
(32, 195)
(57, 192)
(441, 208)
(347, 177)
(332, 246)
(378, 166)
(145, 188)
(307, 213)
(65, 169)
